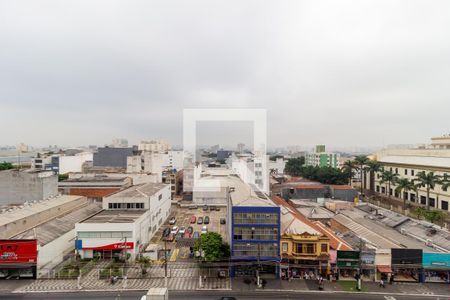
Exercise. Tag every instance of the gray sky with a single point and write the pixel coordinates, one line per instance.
(343, 73)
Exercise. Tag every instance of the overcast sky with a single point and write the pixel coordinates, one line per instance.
(343, 73)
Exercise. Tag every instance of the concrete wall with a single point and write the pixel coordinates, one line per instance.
(112, 157)
(73, 163)
(20, 186)
(53, 253)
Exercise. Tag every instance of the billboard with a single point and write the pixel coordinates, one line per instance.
(18, 252)
(115, 246)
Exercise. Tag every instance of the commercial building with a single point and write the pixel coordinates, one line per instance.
(61, 163)
(127, 223)
(175, 179)
(407, 163)
(321, 158)
(50, 224)
(20, 186)
(254, 229)
(436, 267)
(93, 186)
(113, 157)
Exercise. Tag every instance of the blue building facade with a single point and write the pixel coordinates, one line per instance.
(436, 267)
(255, 237)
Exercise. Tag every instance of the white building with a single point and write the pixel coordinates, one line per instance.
(407, 163)
(173, 159)
(127, 223)
(252, 170)
(119, 143)
(146, 162)
(277, 166)
(154, 145)
(74, 163)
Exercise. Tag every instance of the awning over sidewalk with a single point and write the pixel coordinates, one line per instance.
(384, 269)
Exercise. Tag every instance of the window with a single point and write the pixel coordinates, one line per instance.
(432, 202)
(412, 172)
(396, 170)
(324, 248)
(423, 200)
(284, 247)
(406, 171)
(383, 189)
(160, 197)
(390, 191)
(378, 188)
(110, 205)
(258, 233)
(405, 195)
(412, 197)
(444, 205)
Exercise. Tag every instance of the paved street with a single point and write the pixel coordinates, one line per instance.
(208, 295)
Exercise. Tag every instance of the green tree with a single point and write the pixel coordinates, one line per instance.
(360, 162)
(428, 181)
(404, 185)
(349, 167)
(388, 178)
(213, 247)
(6, 166)
(294, 166)
(62, 177)
(445, 182)
(372, 167)
(433, 215)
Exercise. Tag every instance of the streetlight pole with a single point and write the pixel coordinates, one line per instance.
(165, 263)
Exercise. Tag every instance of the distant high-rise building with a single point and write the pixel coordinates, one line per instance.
(154, 145)
(240, 147)
(119, 143)
(321, 158)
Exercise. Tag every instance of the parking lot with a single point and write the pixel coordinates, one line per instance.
(180, 250)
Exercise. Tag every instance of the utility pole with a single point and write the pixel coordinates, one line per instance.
(165, 263)
(259, 265)
(361, 247)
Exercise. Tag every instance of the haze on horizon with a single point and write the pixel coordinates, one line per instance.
(343, 73)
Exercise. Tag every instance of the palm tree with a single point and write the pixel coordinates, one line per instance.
(349, 166)
(428, 181)
(372, 167)
(445, 182)
(404, 185)
(361, 161)
(388, 177)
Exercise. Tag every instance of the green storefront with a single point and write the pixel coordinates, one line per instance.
(347, 264)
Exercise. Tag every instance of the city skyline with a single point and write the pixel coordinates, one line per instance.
(361, 74)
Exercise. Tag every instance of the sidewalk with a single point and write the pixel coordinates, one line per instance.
(238, 284)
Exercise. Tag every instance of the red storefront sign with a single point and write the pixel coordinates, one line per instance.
(116, 246)
(18, 251)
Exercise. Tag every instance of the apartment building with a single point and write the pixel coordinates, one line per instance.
(321, 158)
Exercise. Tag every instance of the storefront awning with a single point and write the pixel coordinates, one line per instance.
(384, 269)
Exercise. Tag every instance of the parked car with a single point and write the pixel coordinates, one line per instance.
(227, 298)
(196, 235)
(193, 207)
(187, 235)
(206, 220)
(212, 208)
(182, 230)
(190, 229)
(172, 221)
(178, 236)
(166, 232)
(200, 220)
(193, 219)
(223, 221)
(205, 208)
(174, 230)
(217, 208)
(170, 237)
(204, 229)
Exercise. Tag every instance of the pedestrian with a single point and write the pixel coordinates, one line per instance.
(382, 283)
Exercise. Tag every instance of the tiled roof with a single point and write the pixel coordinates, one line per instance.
(335, 242)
